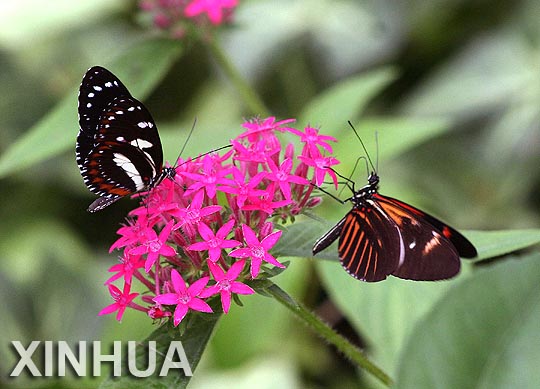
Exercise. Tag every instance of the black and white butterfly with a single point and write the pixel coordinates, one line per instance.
(118, 148)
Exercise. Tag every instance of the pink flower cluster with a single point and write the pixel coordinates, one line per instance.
(176, 16)
(211, 229)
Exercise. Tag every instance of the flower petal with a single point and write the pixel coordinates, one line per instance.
(178, 282)
(166, 299)
(226, 300)
(269, 241)
(199, 305)
(179, 313)
(249, 236)
(196, 287)
(239, 288)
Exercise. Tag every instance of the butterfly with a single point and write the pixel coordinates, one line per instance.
(118, 148)
(382, 236)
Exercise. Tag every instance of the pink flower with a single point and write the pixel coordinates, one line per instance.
(257, 251)
(265, 203)
(129, 264)
(215, 9)
(264, 130)
(184, 298)
(242, 188)
(283, 176)
(312, 139)
(214, 243)
(193, 213)
(226, 284)
(121, 301)
(135, 232)
(322, 168)
(210, 177)
(155, 246)
(215, 202)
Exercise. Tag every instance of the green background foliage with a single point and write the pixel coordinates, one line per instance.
(452, 89)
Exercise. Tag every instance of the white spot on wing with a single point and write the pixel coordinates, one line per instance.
(433, 242)
(108, 84)
(125, 164)
(141, 143)
(88, 105)
(142, 124)
(98, 88)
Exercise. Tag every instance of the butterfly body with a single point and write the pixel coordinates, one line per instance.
(382, 236)
(118, 148)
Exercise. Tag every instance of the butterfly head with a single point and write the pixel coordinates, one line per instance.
(373, 180)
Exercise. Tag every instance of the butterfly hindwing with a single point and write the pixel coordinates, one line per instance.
(370, 246)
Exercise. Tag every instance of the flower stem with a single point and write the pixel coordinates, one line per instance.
(327, 333)
(248, 94)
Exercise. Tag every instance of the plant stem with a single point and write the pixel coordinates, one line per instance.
(248, 94)
(328, 334)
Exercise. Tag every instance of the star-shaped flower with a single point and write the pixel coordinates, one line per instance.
(225, 283)
(214, 243)
(185, 298)
(257, 251)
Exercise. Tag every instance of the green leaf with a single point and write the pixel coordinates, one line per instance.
(388, 322)
(141, 68)
(194, 337)
(385, 312)
(331, 109)
(496, 243)
(298, 239)
(482, 334)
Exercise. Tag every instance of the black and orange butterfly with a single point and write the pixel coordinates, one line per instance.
(382, 236)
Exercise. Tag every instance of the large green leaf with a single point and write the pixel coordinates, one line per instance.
(496, 243)
(194, 337)
(483, 334)
(140, 68)
(297, 241)
(386, 312)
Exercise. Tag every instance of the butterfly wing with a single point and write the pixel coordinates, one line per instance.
(328, 238)
(118, 147)
(370, 244)
(98, 88)
(463, 246)
(430, 253)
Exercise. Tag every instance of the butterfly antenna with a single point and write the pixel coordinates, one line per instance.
(185, 142)
(329, 194)
(349, 179)
(363, 146)
(377, 150)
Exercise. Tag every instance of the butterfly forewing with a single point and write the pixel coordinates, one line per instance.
(118, 147)
(370, 246)
(98, 88)
(462, 244)
(429, 255)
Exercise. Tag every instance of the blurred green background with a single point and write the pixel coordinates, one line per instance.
(464, 75)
